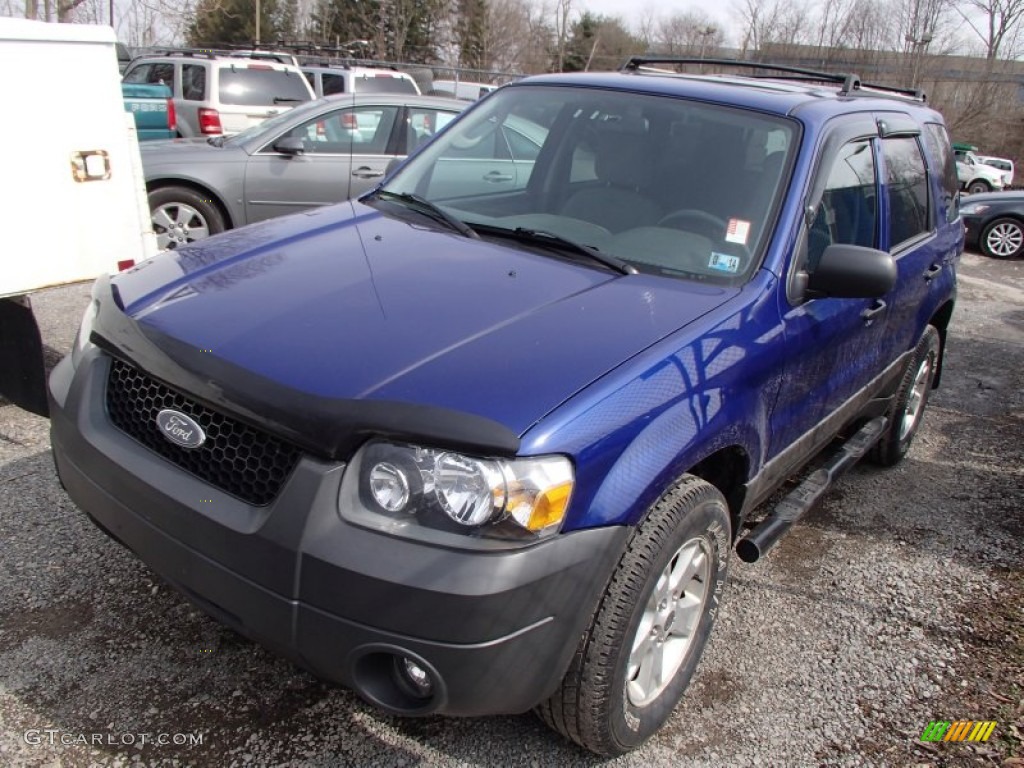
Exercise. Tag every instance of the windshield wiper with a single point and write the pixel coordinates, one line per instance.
(428, 208)
(216, 141)
(545, 237)
(283, 99)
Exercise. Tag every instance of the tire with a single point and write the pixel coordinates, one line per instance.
(908, 406)
(977, 187)
(181, 215)
(688, 530)
(1003, 239)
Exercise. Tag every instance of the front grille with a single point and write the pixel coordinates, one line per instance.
(238, 459)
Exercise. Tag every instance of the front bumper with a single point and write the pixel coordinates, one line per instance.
(496, 630)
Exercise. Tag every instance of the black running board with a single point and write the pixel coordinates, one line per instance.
(767, 533)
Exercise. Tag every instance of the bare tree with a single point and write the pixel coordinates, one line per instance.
(563, 15)
(688, 33)
(517, 37)
(781, 23)
(1001, 26)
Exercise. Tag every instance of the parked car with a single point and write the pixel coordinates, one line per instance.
(1003, 164)
(995, 223)
(476, 450)
(216, 95)
(318, 154)
(463, 89)
(975, 176)
(330, 81)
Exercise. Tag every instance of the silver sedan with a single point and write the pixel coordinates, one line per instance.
(317, 154)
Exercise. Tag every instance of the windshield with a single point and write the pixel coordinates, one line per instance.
(667, 185)
(273, 123)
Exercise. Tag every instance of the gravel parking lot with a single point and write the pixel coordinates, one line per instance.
(897, 602)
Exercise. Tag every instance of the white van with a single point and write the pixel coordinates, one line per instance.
(463, 89)
(76, 193)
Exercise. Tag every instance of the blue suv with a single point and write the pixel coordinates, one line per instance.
(483, 440)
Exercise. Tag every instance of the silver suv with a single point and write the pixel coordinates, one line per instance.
(218, 95)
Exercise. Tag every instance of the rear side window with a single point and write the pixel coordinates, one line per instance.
(907, 180)
(193, 82)
(332, 84)
(155, 74)
(261, 87)
(942, 159)
(383, 84)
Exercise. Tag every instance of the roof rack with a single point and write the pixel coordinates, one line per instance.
(213, 53)
(851, 84)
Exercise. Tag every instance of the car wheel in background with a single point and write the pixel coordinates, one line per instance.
(181, 215)
(977, 187)
(1003, 239)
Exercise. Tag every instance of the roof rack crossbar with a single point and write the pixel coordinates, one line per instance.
(851, 83)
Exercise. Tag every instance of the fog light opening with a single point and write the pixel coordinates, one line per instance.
(414, 680)
(397, 680)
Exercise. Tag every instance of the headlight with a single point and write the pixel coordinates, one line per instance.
(973, 209)
(435, 494)
(84, 331)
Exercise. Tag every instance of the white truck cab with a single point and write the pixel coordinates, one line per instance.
(975, 176)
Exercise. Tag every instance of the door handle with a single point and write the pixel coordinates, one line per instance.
(497, 177)
(869, 314)
(366, 173)
(932, 272)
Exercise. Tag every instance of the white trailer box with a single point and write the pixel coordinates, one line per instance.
(72, 195)
(72, 199)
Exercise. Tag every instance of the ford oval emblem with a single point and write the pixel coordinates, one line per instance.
(180, 429)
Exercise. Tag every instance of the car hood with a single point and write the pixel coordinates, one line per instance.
(176, 151)
(988, 198)
(344, 304)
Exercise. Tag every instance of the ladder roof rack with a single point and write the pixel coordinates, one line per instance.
(850, 84)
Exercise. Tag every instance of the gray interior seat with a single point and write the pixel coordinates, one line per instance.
(623, 165)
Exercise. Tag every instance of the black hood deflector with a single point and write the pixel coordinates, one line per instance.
(327, 427)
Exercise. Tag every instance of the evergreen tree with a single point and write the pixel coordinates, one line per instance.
(471, 33)
(219, 22)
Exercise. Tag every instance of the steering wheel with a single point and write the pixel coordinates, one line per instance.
(707, 224)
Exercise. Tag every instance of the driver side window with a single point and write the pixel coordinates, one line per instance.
(848, 211)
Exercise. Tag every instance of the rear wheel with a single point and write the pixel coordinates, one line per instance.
(181, 215)
(1003, 239)
(907, 408)
(636, 660)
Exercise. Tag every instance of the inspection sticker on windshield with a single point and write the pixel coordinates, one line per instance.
(723, 262)
(738, 231)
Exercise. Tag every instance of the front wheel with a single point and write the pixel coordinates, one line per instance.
(1003, 239)
(977, 187)
(907, 408)
(636, 660)
(181, 215)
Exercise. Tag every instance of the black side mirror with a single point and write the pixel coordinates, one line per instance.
(852, 272)
(290, 145)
